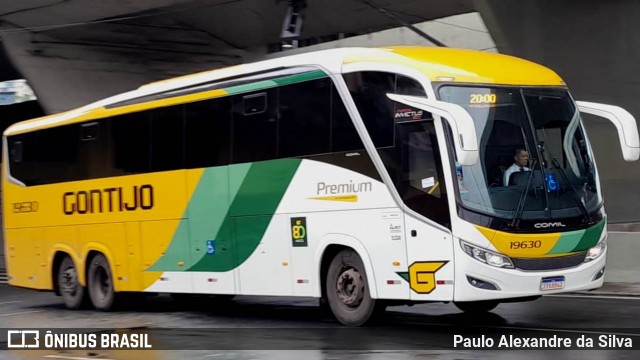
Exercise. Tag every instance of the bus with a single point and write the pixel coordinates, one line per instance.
(364, 177)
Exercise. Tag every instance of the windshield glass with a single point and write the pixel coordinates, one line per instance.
(534, 160)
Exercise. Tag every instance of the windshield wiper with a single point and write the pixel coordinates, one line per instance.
(523, 197)
(583, 208)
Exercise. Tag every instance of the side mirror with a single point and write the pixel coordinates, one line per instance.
(464, 130)
(625, 124)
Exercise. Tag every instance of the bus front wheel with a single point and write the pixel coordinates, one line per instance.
(100, 283)
(73, 294)
(477, 307)
(348, 290)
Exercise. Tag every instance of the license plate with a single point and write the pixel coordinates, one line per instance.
(552, 283)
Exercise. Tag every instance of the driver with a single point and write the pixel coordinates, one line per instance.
(521, 159)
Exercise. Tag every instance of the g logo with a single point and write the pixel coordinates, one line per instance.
(422, 276)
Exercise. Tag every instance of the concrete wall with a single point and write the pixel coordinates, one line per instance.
(622, 257)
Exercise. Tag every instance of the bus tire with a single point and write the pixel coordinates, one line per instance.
(72, 292)
(100, 283)
(348, 290)
(477, 307)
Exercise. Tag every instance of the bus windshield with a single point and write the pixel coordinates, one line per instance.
(534, 159)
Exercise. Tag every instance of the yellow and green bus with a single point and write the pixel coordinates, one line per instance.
(362, 177)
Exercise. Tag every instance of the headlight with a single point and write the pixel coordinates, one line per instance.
(486, 256)
(596, 251)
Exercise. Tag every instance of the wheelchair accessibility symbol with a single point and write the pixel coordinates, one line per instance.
(211, 247)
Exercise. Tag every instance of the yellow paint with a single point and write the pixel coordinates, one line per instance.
(130, 240)
(467, 66)
(180, 79)
(503, 242)
(345, 198)
(422, 276)
(396, 263)
(100, 113)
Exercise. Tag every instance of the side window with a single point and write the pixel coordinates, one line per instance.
(255, 126)
(344, 136)
(167, 138)
(305, 118)
(369, 90)
(93, 154)
(415, 166)
(208, 133)
(131, 143)
(23, 158)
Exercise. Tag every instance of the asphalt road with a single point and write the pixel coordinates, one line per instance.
(282, 328)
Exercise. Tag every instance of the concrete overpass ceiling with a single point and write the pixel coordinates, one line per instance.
(7, 71)
(239, 23)
(76, 51)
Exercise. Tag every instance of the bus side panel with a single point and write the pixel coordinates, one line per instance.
(339, 206)
(211, 237)
(166, 258)
(267, 270)
(431, 268)
(134, 257)
(21, 257)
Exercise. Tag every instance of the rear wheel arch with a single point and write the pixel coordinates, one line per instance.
(329, 247)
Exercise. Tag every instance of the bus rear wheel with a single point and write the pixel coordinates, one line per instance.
(73, 294)
(100, 283)
(348, 290)
(477, 307)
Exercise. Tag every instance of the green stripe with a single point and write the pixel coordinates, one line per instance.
(250, 213)
(567, 242)
(206, 211)
(285, 80)
(292, 79)
(591, 237)
(237, 225)
(251, 87)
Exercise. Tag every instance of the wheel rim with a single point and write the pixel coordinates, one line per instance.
(350, 287)
(69, 281)
(102, 281)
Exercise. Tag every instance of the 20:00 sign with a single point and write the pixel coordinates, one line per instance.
(482, 99)
(526, 244)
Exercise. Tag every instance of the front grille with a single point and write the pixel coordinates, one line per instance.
(552, 263)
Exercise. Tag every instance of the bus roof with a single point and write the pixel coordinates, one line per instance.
(438, 64)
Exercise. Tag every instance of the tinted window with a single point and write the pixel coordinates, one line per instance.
(208, 132)
(305, 118)
(131, 143)
(369, 90)
(167, 138)
(344, 136)
(255, 134)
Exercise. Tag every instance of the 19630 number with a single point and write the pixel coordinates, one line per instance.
(526, 244)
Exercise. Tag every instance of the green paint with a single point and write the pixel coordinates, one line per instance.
(300, 77)
(232, 205)
(206, 211)
(285, 80)
(591, 237)
(567, 242)
(178, 251)
(250, 213)
(260, 85)
(404, 275)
